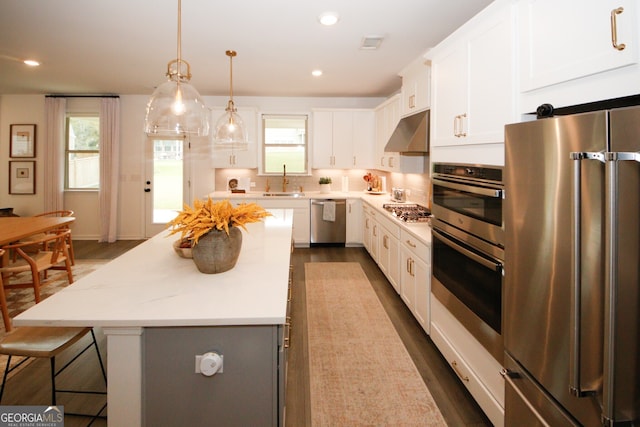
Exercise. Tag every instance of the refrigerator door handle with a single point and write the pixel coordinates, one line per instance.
(575, 386)
(611, 281)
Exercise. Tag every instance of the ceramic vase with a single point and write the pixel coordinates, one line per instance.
(217, 252)
(325, 188)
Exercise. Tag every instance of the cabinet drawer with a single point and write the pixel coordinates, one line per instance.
(283, 203)
(415, 245)
(456, 343)
(389, 224)
(480, 393)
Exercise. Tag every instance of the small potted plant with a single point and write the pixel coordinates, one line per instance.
(325, 184)
(213, 229)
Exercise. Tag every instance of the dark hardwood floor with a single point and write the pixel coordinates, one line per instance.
(32, 384)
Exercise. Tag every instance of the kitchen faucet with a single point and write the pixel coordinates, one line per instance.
(285, 181)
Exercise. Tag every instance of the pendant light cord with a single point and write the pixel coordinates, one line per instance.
(179, 36)
(231, 54)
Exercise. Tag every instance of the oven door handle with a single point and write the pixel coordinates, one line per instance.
(495, 266)
(490, 192)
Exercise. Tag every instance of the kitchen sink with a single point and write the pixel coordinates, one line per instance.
(284, 194)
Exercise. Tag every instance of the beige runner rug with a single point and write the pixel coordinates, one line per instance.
(360, 372)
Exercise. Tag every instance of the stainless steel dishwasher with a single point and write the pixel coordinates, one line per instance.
(328, 222)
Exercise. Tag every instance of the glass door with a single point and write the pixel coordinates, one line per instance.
(164, 183)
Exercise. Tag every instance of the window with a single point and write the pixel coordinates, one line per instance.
(82, 159)
(285, 143)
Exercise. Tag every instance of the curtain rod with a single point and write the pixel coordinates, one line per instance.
(82, 96)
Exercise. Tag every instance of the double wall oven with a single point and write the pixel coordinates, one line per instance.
(468, 248)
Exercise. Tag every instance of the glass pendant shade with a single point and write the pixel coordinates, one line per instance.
(230, 131)
(176, 108)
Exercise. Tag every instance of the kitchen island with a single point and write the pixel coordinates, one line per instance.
(159, 312)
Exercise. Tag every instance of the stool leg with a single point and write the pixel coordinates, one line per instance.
(95, 344)
(4, 377)
(53, 381)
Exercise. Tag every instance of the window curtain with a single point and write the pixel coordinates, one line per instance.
(55, 110)
(109, 167)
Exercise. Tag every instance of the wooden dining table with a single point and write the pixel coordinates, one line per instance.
(14, 228)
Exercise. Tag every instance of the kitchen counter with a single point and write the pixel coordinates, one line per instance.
(421, 231)
(151, 288)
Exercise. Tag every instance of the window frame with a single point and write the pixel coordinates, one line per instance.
(68, 151)
(305, 146)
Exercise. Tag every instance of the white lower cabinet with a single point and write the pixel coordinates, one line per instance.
(354, 232)
(476, 368)
(389, 251)
(301, 217)
(371, 231)
(416, 277)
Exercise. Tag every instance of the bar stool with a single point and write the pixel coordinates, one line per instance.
(48, 342)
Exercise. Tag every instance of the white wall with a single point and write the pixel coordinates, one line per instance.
(16, 109)
(25, 109)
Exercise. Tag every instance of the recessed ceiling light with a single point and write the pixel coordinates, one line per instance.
(31, 62)
(316, 73)
(329, 18)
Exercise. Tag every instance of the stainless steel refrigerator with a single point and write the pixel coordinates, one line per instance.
(571, 320)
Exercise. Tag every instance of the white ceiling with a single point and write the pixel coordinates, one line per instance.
(123, 46)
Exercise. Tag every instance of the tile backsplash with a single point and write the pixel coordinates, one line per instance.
(418, 185)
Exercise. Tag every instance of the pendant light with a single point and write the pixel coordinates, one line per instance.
(230, 132)
(175, 107)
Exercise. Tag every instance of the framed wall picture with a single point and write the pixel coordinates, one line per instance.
(22, 177)
(23, 141)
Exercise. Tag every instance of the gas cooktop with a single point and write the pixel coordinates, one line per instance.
(408, 212)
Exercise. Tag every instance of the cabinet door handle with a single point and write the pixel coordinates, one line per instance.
(375, 230)
(354, 160)
(384, 241)
(455, 126)
(463, 120)
(382, 161)
(454, 365)
(410, 243)
(614, 29)
(412, 101)
(408, 266)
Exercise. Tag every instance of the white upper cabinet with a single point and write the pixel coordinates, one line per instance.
(237, 159)
(364, 139)
(562, 40)
(472, 79)
(387, 116)
(415, 87)
(343, 139)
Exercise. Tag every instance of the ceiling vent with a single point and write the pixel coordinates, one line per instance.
(371, 42)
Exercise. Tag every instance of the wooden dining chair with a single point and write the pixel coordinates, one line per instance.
(3, 299)
(52, 252)
(63, 213)
(49, 342)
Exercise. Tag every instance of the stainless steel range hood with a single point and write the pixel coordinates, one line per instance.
(411, 135)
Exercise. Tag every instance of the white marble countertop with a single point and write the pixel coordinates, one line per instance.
(305, 195)
(421, 231)
(151, 285)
